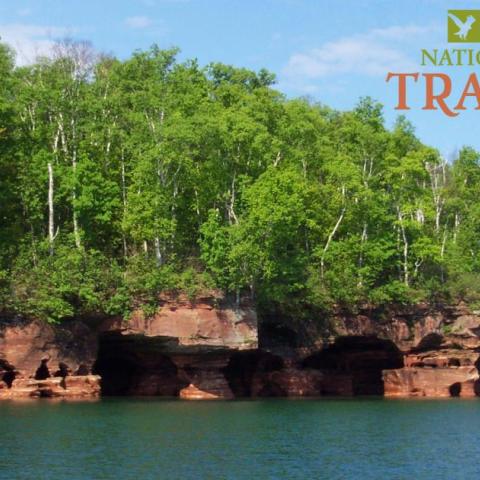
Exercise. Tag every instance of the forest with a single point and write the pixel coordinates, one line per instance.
(122, 180)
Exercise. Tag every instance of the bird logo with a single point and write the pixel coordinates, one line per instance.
(464, 27)
(463, 30)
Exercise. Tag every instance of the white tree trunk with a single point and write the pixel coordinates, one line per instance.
(329, 240)
(437, 182)
(363, 240)
(124, 199)
(406, 273)
(51, 220)
(456, 226)
(158, 252)
(76, 230)
(232, 217)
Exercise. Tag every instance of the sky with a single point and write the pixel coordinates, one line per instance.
(329, 50)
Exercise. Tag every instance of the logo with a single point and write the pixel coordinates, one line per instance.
(442, 91)
(463, 26)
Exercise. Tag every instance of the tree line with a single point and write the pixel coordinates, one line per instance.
(123, 180)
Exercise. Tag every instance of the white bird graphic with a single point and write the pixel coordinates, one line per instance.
(464, 27)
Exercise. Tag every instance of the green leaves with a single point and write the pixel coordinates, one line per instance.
(125, 179)
(69, 283)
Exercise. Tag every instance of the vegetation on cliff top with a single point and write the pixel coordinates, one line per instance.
(123, 179)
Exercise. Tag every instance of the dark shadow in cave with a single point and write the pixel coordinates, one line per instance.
(129, 366)
(432, 341)
(359, 358)
(242, 367)
(7, 373)
(274, 335)
(63, 370)
(117, 372)
(476, 385)
(454, 362)
(42, 372)
(270, 390)
(82, 370)
(455, 389)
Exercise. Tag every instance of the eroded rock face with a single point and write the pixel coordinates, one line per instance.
(25, 346)
(289, 382)
(205, 323)
(72, 387)
(440, 364)
(350, 366)
(431, 382)
(38, 360)
(181, 351)
(148, 366)
(209, 350)
(353, 365)
(405, 327)
(184, 348)
(194, 393)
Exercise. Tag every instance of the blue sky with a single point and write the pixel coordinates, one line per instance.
(334, 51)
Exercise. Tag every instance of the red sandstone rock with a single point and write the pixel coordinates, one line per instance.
(87, 386)
(430, 382)
(198, 337)
(200, 324)
(406, 327)
(82, 386)
(288, 382)
(466, 326)
(205, 373)
(24, 345)
(193, 393)
(186, 348)
(338, 384)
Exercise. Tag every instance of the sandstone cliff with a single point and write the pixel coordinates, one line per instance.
(209, 349)
(180, 351)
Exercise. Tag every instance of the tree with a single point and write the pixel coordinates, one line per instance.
(125, 179)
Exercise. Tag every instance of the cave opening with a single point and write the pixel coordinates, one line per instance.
(273, 335)
(42, 372)
(7, 373)
(353, 365)
(247, 374)
(432, 341)
(455, 389)
(476, 385)
(130, 366)
(82, 370)
(63, 370)
(135, 365)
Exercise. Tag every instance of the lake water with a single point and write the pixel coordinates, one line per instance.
(271, 439)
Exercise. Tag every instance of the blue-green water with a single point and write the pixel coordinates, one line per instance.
(271, 439)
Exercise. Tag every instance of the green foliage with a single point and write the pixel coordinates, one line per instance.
(69, 283)
(466, 287)
(125, 180)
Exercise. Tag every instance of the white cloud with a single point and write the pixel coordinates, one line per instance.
(371, 54)
(149, 26)
(31, 41)
(303, 88)
(405, 33)
(138, 22)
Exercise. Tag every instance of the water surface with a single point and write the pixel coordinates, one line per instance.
(271, 439)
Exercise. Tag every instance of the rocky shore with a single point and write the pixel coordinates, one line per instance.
(210, 349)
